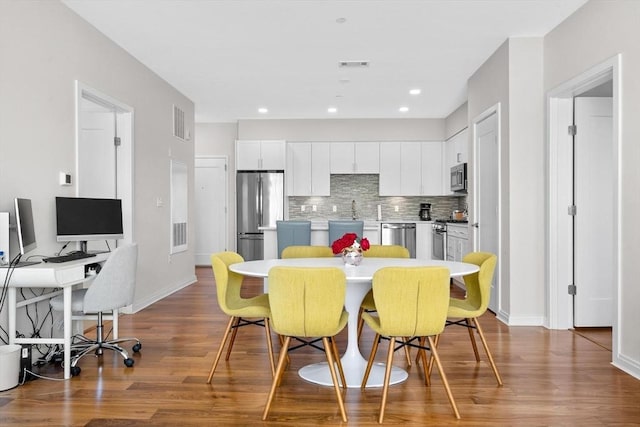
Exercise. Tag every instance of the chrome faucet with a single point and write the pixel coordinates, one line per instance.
(353, 210)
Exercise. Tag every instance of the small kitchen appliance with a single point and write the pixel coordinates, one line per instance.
(425, 211)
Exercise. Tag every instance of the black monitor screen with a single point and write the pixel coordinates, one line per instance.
(24, 223)
(81, 219)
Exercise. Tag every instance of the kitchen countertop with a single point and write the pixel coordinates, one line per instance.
(319, 225)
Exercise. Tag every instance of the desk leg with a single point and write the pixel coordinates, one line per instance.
(66, 295)
(353, 363)
(11, 293)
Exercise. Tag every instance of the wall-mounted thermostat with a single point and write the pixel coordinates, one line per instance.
(65, 178)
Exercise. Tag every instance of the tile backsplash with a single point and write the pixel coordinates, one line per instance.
(364, 190)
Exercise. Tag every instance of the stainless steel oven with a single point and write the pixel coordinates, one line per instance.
(439, 240)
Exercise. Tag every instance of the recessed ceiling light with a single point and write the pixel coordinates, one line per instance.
(415, 91)
(332, 110)
(403, 109)
(262, 110)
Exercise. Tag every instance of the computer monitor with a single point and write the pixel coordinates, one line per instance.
(24, 225)
(82, 219)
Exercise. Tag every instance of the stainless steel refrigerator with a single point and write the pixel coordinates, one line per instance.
(260, 203)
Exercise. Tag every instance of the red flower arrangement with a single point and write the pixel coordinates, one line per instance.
(350, 242)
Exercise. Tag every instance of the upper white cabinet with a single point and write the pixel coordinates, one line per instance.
(411, 168)
(260, 155)
(355, 157)
(457, 148)
(308, 169)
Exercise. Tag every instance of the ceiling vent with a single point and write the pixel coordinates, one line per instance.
(353, 64)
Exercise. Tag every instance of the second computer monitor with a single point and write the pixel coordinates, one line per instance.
(82, 219)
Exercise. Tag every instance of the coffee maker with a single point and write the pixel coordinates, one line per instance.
(425, 211)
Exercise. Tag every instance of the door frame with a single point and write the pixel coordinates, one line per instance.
(559, 248)
(494, 109)
(125, 173)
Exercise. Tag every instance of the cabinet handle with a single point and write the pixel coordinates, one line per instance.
(475, 224)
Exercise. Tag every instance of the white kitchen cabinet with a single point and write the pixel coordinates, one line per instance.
(423, 240)
(411, 169)
(457, 149)
(457, 241)
(308, 169)
(355, 157)
(432, 164)
(260, 155)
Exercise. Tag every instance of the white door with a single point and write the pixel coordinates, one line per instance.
(593, 223)
(96, 151)
(105, 169)
(210, 207)
(486, 197)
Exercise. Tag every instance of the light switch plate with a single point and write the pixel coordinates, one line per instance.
(65, 178)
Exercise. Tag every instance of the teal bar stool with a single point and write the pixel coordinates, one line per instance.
(338, 228)
(292, 233)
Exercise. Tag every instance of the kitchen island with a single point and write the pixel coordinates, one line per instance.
(320, 236)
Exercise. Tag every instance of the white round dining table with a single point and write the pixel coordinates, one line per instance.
(358, 284)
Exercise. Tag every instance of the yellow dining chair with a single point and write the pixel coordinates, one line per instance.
(239, 309)
(468, 310)
(410, 302)
(368, 304)
(308, 302)
(306, 252)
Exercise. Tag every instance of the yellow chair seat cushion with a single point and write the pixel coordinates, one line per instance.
(257, 306)
(368, 302)
(459, 308)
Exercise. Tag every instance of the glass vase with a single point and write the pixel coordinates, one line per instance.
(352, 258)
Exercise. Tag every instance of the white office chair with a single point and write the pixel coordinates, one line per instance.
(112, 288)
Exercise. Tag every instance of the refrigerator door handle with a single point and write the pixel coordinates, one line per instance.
(260, 220)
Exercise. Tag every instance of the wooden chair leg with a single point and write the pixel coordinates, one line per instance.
(219, 353)
(387, 376)
(434, 352)
(473, 339)
(336, 355)
(486, 349)
(407, 351)
(329, 350)
(436, 341)
(360, 322)
(425, 365)
(372, 356)
(278, 376)
(233, 337)
(267, 329)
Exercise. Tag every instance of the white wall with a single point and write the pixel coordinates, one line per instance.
(457, 120)
(344, 129)
(598, 31)
(45, 48)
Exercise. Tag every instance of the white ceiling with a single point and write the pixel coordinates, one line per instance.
(232, 56)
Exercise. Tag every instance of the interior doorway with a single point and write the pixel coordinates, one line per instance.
(104, 147)
(486, 180)
(560, 228)
(211, 183)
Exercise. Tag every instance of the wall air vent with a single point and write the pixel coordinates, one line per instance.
(353, 64)
(178, 123)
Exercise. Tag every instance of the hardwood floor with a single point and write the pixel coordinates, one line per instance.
(551, 378)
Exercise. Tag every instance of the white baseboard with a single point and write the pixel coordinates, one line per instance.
(520, 320)
(160, 294)
(628, 365)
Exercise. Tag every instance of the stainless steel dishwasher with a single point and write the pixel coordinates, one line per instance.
(399, 233)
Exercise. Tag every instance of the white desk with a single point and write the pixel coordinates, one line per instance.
(47, 275)
(358, 284)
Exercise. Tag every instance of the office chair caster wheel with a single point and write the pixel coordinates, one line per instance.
(75, 371)
(136, 348)
(129, 362)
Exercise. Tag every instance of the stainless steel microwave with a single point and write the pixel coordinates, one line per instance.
(459, 177)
